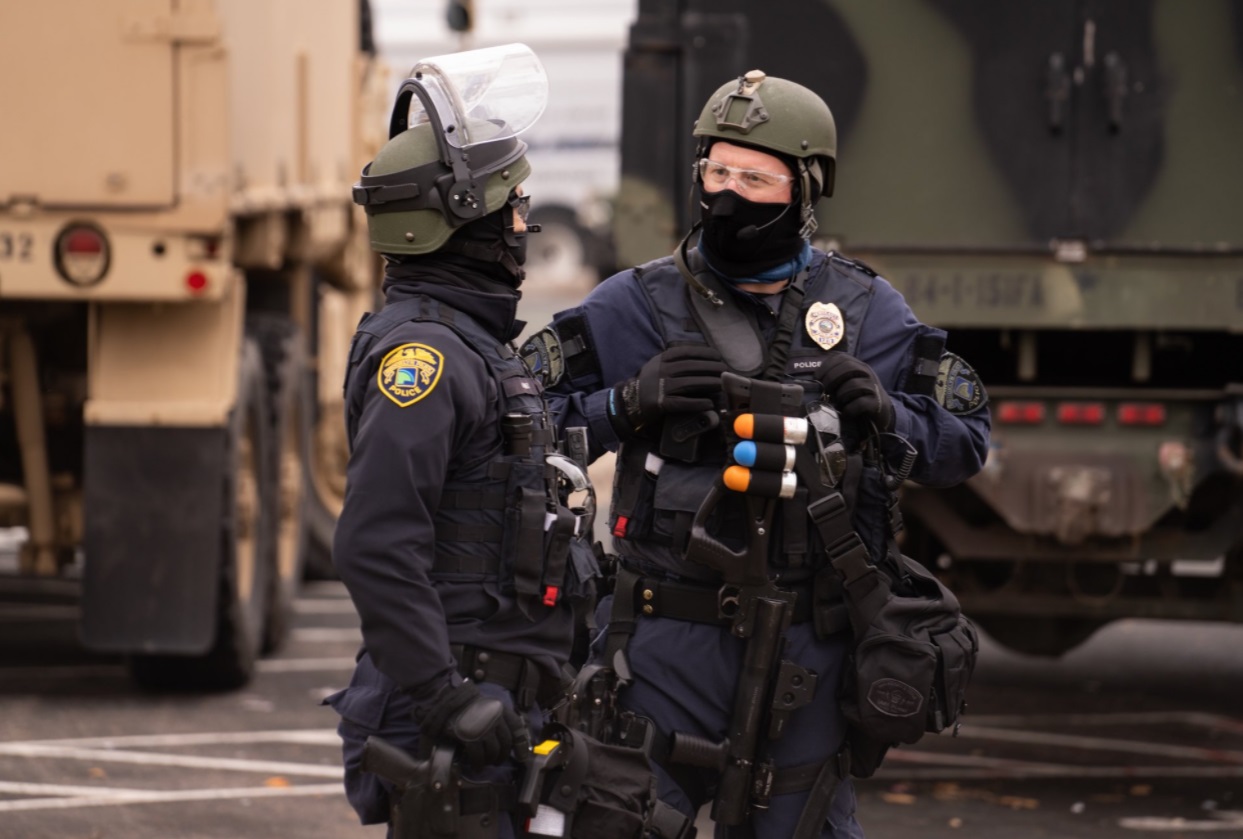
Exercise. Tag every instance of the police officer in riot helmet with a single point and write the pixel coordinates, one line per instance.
(642, 362)
(465, 632)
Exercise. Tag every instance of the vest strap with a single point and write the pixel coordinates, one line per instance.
(473, 500)
(454, 532)
(463, 564)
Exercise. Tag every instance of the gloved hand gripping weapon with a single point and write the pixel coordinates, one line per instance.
(768, 688)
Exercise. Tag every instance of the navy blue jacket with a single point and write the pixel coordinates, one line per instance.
(625, 332)
(403, 457)
(636, 314)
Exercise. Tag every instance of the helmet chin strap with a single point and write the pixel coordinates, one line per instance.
(807, 213)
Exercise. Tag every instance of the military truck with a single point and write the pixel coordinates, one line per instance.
(181, 267)
(1058, 183)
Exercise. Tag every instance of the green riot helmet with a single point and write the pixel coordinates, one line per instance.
(780, 117)
(453, 154)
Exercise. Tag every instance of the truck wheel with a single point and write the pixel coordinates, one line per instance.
(322, 524)
(288, 391)
(1049, 637)
(244, 584)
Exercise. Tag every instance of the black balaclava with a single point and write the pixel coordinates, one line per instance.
(492, 241)
(744, 238)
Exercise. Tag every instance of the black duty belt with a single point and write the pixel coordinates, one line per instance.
(654, 597)
(517, 674)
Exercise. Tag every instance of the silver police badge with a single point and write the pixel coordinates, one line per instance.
(825, 324)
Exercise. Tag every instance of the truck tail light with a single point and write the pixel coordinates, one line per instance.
(1141, 413)
(196, 282)
(1081, 413)
(82, 254)
(1021, 413)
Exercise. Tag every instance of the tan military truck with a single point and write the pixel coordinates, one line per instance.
(181, 267)
(1059, 184)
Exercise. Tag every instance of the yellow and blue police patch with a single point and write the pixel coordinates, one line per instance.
(958, 386)
(410, 372)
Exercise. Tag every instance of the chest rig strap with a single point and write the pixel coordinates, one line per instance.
(733, 330)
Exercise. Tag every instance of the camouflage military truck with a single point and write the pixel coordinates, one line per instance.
(1059, 183)
(181, 267)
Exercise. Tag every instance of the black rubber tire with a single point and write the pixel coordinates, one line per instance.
(321, 524)
(289, 393)
(244, 583)
(1039, 636)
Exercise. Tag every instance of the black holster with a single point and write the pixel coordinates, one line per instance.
(433, 800)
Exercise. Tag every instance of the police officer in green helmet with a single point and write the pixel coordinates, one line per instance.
(465, 630)
(656, 362)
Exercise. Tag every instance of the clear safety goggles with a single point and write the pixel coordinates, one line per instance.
(716, 176)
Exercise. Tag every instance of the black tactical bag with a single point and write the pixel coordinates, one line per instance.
(588, 789)
(913, 656)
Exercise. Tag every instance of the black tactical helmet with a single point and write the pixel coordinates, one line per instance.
(780, 117)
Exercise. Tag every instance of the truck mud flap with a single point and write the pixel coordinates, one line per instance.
(154, 515)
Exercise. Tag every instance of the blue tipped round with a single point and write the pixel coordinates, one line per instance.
(745, 453)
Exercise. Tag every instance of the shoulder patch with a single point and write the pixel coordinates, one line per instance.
(409, 372)
(544, 357)
(958, 388)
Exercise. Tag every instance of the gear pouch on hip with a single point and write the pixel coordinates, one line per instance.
(523, 538)
(913, 657)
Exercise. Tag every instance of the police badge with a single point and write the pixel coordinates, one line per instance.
(825, 325)
(409, 372)
(958, 388)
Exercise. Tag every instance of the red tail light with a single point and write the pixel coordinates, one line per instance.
(82, 254)
(1141, 413)
(196, 282)
(1081, 413)
(1021, 413)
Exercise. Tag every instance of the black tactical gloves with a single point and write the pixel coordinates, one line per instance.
(855, 390)
(486, 731)
(683, 379)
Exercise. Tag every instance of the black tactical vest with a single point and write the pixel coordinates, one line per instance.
(505, 518)
(661, 483)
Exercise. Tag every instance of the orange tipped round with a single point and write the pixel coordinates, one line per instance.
(737, 478)
(744, 426)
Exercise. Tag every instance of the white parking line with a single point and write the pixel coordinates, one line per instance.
(185, 761)
(1199, 719)
(1222, 820)
(303, 737)
(108, 799)
(324, 635)
(305, 665)
(964, 767)
(324, 606)
(1104, 744)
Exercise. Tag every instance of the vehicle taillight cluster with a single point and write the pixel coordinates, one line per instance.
(1144, 414)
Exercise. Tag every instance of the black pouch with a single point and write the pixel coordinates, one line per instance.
(601, 791)
(913, 658)
(582, 570)
(522, 541)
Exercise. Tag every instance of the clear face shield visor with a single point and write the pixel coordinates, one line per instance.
(477, 103)
(475, 97)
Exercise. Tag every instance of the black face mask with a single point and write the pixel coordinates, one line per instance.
(744, 238)
(492, 239)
